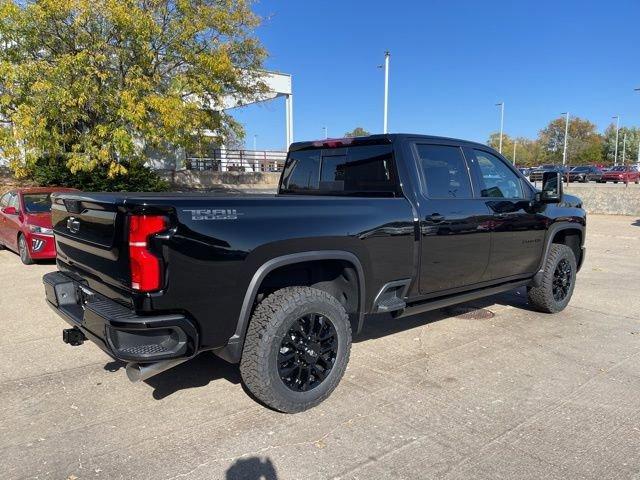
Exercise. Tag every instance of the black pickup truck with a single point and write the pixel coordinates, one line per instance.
(394, 224)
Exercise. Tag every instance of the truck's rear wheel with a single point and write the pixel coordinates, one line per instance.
(296, 349)
(558, 280)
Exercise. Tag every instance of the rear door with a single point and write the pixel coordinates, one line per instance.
(454, 225)
(518, 231)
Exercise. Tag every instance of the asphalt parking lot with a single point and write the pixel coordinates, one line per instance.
(520, 395)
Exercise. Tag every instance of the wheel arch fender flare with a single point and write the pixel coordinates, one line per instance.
(551, 233)
(232, 352)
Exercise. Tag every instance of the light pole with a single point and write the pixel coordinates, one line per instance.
(624, 147)
(638, 159)
(325, 132)
(385, 124)
(566, 137)
(501, 105)
(515, 144)
(255, 140)
(615, 158)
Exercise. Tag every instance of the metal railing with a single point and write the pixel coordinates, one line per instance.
(239, 161)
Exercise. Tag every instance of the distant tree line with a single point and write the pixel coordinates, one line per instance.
(586, 146)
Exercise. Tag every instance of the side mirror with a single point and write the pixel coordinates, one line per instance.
(9, 211)
(551, 187)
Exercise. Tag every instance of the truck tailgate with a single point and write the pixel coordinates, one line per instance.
(90, 236)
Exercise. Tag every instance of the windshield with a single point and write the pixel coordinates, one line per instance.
(619, 168)
(580, 169)
(37, 202)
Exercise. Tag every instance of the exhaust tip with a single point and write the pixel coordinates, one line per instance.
(137, 372)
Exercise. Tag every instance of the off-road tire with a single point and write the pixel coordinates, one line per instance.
(271, 320)
(23, 251)
(542, 298)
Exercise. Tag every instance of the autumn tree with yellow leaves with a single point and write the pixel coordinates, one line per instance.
(94, 83)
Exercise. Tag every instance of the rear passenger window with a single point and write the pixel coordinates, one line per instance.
(445, 171)
(361, 170)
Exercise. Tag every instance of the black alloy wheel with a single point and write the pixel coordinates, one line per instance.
(307, 352)
(562, 278)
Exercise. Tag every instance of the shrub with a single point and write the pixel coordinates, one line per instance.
(139, 178)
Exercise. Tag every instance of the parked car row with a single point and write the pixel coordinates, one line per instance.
(25, 223)
(586, 173)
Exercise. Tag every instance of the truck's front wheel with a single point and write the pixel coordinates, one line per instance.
(558, 281)
(296, 349)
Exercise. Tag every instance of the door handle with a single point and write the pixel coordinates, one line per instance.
(435, 218)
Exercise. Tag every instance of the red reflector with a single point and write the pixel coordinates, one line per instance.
(146, 274)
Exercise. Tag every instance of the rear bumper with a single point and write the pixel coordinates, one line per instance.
(116, 329)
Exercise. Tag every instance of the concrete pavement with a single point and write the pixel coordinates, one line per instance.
(520, 395)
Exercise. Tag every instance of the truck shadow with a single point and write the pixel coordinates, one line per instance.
(377, 326)
(197, 372)
(206, 367)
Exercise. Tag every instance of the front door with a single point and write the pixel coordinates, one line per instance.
(4, 222)
(455, 226)
(518, 230)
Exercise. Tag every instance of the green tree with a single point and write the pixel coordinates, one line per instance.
(584, 144)
(93, 83)
(357, 132)
(528, 152)
(609, 144)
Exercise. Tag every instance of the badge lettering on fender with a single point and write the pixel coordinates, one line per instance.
(214, 214)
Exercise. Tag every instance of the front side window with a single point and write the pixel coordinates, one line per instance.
(4, 200)
(360, 170)
(445, 171)
(499, 181)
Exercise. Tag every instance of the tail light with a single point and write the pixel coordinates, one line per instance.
(146, 272)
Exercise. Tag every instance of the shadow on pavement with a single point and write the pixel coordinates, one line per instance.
(636, 223)
(252, 468)
(206, 367)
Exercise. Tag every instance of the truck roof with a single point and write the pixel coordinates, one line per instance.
(375, 139)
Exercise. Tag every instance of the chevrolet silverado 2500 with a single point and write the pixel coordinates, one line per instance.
(395, 224)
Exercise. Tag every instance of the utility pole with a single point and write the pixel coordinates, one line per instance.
(566, 137)
(501, 105)
(385, 123)
(615, 158)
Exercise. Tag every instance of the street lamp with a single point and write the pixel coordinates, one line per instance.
(255, 140)
(387, 56)
(566, 136)
(501, 105)
(615, 158)
(638, 159)
(325, 132)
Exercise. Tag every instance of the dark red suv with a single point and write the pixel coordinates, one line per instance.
(25, 223)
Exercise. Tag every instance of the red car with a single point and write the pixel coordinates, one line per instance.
(621, 173)
(25, 223)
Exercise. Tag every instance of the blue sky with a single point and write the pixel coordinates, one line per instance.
(451, 61)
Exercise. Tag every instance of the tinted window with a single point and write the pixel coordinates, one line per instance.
(37, 202)
(445, 171)
(498, 179)
(364, 170)
(302, 171)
